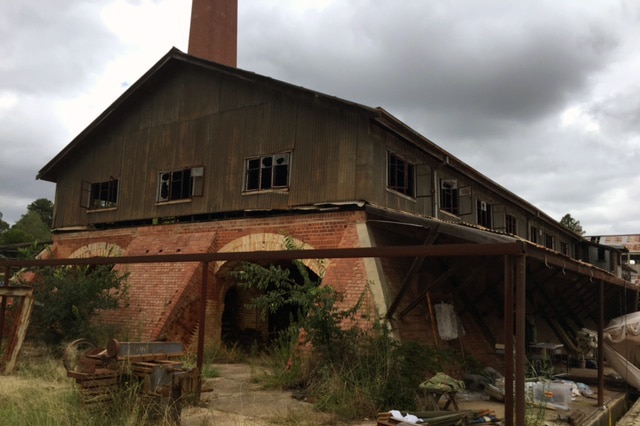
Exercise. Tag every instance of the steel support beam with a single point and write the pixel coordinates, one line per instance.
(508, 339)
(601, 345)
(520, 281)
(440, 250)
(203, 319)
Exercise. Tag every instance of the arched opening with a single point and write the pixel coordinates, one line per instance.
(244, 326)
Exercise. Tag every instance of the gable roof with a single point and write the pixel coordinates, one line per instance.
(175, 57)
(172, 58)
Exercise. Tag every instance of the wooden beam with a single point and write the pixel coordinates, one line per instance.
(413, 269)
(420, 297)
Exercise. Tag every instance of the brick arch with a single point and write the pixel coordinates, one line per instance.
(266, 241)
(100, 249)
(253, 242)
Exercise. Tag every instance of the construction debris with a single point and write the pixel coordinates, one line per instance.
(154, 369)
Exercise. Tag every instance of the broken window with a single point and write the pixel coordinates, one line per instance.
(564, 247)
(511, 224)
(180, 184)
(100, 195)
(400, 175)
(483, 213)
(268, 172)
(449, 196)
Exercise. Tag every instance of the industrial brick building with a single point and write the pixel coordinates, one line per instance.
(199, 156)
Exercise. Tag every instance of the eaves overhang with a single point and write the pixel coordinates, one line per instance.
(489, 242)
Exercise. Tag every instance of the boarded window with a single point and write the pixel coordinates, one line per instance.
(400, 175)
(268, 172)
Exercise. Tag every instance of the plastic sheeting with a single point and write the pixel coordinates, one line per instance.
(449, 326)
(622, 347)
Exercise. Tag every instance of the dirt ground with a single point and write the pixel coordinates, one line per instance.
(235, 399)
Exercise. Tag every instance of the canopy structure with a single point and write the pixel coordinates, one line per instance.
(519, 267)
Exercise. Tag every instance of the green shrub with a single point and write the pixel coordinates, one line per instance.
(350, 371)
(67, 298)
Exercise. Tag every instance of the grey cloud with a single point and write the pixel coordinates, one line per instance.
(52, 46)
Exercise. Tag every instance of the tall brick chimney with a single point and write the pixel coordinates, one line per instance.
(214, 31)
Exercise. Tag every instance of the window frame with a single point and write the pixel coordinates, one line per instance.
(187, 183)
(484, 216)
(401, 175)
(550, 241)
(534, 234)
(102, 195)
(450, 196)
(267, 173)
(510, 224)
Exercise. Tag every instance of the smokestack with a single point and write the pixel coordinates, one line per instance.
(214, 31)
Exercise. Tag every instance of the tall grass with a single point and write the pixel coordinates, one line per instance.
(378, 373)
(40, 394)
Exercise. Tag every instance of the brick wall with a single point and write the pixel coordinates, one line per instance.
(163, 297)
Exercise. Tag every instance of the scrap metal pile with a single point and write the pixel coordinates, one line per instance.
(153, 368)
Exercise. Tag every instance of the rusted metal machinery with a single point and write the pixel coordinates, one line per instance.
(153, 369)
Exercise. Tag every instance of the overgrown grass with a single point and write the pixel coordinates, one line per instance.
(40, 394)
(378, 375)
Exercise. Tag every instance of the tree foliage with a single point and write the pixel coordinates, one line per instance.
(44, 209)
(349, 370)
(67, 299)
(33, 227)
(315, 306)
(572, 224)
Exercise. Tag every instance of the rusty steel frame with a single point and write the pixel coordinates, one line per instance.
(515, 258)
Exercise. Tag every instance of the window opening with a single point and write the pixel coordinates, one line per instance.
(564, 247)
(549, 241)
(268, 172)
(180, 184)
(449, 196)
(483, 213)
(601, 256)
(534, 234)
(100, 195)
(400, 175)
(511, 224)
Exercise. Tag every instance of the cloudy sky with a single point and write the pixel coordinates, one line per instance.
(543, 97)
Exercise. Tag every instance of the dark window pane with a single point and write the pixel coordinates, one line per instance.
(265, 179)
(281, 176)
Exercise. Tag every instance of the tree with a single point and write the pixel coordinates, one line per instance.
(29, 229)
(572, 224)
(33, 227)
(3, 225)
(44, 208)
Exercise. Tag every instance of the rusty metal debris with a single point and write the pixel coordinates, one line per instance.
(153, 369)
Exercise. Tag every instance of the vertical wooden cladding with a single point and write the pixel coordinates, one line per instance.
(188, 116)
(324, 161)
(423, 163)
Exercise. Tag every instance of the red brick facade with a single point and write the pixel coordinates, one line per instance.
(163, 298)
